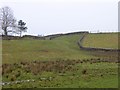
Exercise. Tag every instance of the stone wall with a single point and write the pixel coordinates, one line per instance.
(92, 48)
(48, 37)
(19, 38)
(66, 34)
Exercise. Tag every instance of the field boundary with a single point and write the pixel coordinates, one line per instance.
(93, 48)
(48, 37)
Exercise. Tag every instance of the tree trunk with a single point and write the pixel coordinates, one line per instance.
(5, 31)
(20, 33)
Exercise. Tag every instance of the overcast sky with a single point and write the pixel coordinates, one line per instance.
(59, 16)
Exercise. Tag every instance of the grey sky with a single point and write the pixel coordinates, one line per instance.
(48, 17)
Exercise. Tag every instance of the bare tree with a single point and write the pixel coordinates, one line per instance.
(7, 20)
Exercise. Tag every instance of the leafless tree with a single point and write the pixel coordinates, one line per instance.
(7, 20)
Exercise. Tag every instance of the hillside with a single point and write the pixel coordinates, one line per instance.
(101, 40)
(56, 63)
(64, 47)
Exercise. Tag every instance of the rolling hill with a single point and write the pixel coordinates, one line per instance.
(60, 63)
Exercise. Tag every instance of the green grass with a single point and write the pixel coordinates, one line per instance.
(28, 50)
(109, 40)
(97, 75)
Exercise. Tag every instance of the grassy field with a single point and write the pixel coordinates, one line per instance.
(28, 50)
(109, 40)
(57, 63)
(80, 75)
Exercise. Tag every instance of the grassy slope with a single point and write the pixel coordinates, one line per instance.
(28, 50)
(60, 48)
(101, 40)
